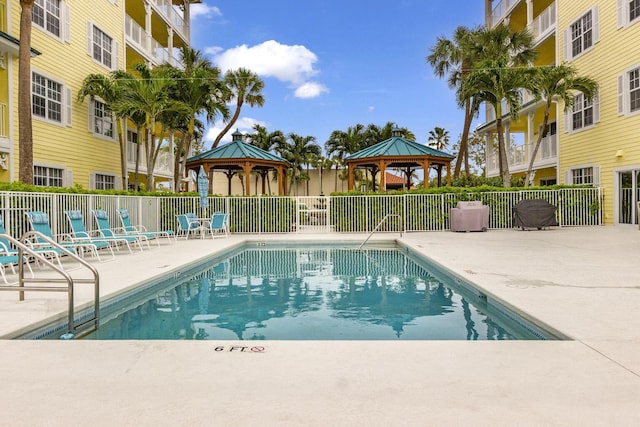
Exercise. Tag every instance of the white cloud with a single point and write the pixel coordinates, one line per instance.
(243, 124)
(371, 108)
(293, 64)
(203, 10)
(213, 50)
(310, 90)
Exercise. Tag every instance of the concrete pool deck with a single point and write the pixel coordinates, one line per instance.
(583, 282)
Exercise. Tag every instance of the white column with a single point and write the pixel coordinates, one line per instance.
(529, 12)
(147, 26)
(172, 60)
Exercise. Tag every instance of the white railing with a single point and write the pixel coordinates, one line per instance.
(164, 162)
(256, 215)
(172, 13)
(135, 33)
(548, 148)
(501, 9)
(159, 52)
(544, 23)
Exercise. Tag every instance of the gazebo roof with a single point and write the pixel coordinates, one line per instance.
(236, 149)
(398, 146)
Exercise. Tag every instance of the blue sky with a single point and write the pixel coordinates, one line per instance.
(331, 64)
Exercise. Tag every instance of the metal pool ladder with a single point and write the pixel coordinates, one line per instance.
(23, 283)
(378, 226)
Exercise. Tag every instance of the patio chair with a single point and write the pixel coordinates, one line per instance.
(102, 219)
(141, 229)
(188, 223)
(40, 223)
(80, 234)
(218, 225)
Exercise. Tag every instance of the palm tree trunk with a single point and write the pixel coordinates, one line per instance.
(541, 134)
(25, 129)
(464, 140)
(224, 131)
(502, 155)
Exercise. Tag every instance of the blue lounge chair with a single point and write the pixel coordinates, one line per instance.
(79, 233)
(40, 223)
(141, 229)
(188, 224)
(102, 219)
(218, 225)
(9, 252)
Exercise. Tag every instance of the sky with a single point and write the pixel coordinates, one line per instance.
(331, 64)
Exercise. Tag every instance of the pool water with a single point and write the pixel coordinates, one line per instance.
(312, 293)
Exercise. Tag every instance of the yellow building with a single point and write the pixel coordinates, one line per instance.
(76, 142)
(598, 143)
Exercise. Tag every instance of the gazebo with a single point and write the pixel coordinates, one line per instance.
(238, 156)
(401, 153)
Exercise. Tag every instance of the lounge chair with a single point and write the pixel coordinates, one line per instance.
(141, 229)
(8, 255)
(218, 225)
(79, 233)
(40, 223)
(102, 219)
(188, 223)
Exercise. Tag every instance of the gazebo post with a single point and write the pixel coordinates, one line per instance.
(425, 168)
(247, 167)
(449, 174)
(383, 182)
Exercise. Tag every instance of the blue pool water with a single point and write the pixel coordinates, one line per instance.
(311, 293)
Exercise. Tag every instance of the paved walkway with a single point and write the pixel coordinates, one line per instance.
(582, 282)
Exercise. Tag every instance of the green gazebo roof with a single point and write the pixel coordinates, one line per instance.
(236, 149)
(398, 146)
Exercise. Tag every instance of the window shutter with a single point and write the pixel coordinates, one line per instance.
(567, 45)
(596, 25)
(596, 176)
(68, 104)
(114, 56)
(596, 108)
(92, 181)
(621, 95)
(90, 116)
(568, 177)
(621, 13)
(66, 23)
(89, 39)
(68, 178)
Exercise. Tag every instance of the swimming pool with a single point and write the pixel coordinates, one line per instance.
(307, 291)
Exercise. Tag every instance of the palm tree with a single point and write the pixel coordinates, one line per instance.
(438, 138)
(266, 141)
(552, 83)
(375, 134)
(455, 58)
(25, 128)
(296, 151)
(499, 76)
(109, 88)
(199, 87)
(149, 96)
(245, 86)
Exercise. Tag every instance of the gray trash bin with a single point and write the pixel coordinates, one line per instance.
(469, 216)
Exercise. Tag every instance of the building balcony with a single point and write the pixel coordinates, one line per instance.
(501, 9)
(518, 156)
(172, 14)
(148, 47)
(525, 98)
(163, 167)
(544, 24)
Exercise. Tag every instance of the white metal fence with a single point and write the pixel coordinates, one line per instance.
(338, 214)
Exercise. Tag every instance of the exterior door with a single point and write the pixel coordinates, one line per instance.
(629, 195)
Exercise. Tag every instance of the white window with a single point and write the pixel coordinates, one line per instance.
(582, 34)
(583, 175)
(628, 12)
(105, 182)
(47, 15)
(46, 97)
(584, 114)
(102, 119)
(629, 91)
(102, 47)
(48, 177)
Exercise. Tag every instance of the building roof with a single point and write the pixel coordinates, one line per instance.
(12, 44)
(398, 146)
(391, 178)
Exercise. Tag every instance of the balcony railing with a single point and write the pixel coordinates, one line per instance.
(525, 97)
(501, 9)
(548, 148)
(173, 14)
(544, 23)
(135, 33)
(164, 162)
(159, 52)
